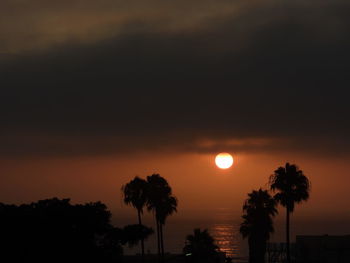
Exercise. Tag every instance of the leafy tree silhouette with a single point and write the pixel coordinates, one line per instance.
(132, 234)
(136, 194)
(259, 209)
(162, 203)
(54, 230)
(291, 187)
(200, 247)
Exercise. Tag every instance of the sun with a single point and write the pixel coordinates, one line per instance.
(224, 160)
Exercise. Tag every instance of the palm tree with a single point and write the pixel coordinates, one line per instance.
(200, 246)
(167, 207)
(291, 187)
(162, 203)
(257, 225)
(136, 194)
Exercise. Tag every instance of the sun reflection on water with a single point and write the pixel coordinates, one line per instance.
(226, 239)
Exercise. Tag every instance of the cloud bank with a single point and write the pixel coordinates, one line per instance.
(248, 77)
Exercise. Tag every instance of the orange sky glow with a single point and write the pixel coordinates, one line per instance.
(195, 179)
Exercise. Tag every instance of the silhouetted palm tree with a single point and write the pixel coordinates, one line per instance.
(167, 208)
(136, 194)
(257, 225)
(200, 246)
(162, 203)
(292, 187)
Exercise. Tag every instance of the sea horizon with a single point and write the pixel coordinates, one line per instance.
(223, 224)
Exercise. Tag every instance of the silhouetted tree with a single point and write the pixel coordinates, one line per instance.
(132, 234)
(291, 187)
(162, 203)
(136, 194)
(200, 247)
(259, 209)
(54, 230)
(168, 207)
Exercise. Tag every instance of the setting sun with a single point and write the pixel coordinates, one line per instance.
(224, 160)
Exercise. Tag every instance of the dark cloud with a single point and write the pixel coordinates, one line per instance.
(273, 77)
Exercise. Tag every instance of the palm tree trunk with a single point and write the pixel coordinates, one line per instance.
(263, 250)
(161, 240)
(158, 237)
(287, 235)
(252, 250)
(257, 249)
(142, 241)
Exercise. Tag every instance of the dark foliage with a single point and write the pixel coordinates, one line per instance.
(200, 247)
(291, 187)
(135, 193)
(259, 209)
(133, 234)
(54, 230)
(162, 203)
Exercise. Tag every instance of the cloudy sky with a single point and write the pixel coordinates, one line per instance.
(96, 92)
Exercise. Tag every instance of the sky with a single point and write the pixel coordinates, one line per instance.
(94, 93)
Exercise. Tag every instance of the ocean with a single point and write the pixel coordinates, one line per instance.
(223, 224)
